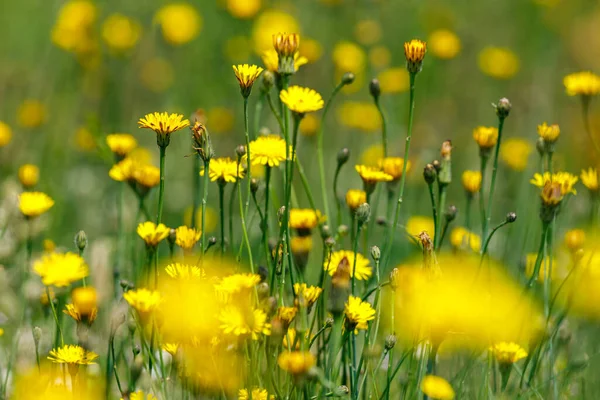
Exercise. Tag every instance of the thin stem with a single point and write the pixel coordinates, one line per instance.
(433, 209)
(248, 172)
(442, 188)
(489, 238)
(230, 214)
(383, 127)
(585, 108)
(488, 215)
(468, 212)
(265, 230)
(540, 256)
(275, 113)
(195, 189)
(204, 201)
(355, 250)
(222, 215)
(161, 188)
(483, 159)
(55, 315)
(244, 229)
(336, 197)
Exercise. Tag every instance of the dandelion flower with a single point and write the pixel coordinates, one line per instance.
(246, 76)
(147, 177)
(186, 237)
(437, 388)
(164, 125)
(355, 198)
(84, 307)
(286, 46)
(184, 271)
(582, 83)
(60, 269)
(120, 33)
(444, 44)
(304, 219)
(514, 152)
(371, 175)
(589, 179)
(74, 313)
(471, 181)
(549, 133)
(486, 137)
(29, 175)
(256, 393)
(308, 294)
(296, 363)
(507, 352)
(151, 233)
(554, 186)
(121, 144)
(414, 51)
(236, 283)
(498, 62)
(461, 238)
(363, 270)
(224, 169)
(301, 100)
(144, 301)
(358, 314)
(72, 355)
(268, 150)
(33, 204)
(575, 239)
(394, 166)
(5, 134)
(180, 23)
(171, 348)
(239, 321)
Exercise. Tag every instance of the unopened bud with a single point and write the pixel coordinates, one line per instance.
(137, 367)
(81, 240)
(363, 213)
(325, 231)
(511, 217)
(375, 89)
(450, 213)
(394, 279)
(125, 284)
(540, 146)
(429, 174)
(212, 241)
(381, 221)
(390, 342)
(437, 165)
(342, 230)
(262, 289)
(329, 322)
(503, 108)
(172, 237)
(375, 253)
(240, 151)
(343, 156)
(136, 349)
(37, 335)
(446, 150)
(330, 242)
(131, 326)
(254, 185)
(280, 213)
(348, 78)
(268, 80)
(341, 390)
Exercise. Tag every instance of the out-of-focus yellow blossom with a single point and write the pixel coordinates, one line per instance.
(120, 33)
(589, 178)
(301, 245)
(157, 75)
(419, 223)
(212, 218)
(5, 134)
(29, 175)
(372, 175)
(485, 136)
(237, 49)
(269, 23)
(121, 143)
(74, 27)
(270, 59)
(394, 166)
(220, 119)
(34, 204)
(241, 321)
(286, 315)
(549, 133)
(140, 395)
(171, 348)
(144, 301)
(514, 152)
(310, 49)
(296, 362)
(575, 239)
(48, 245)
(72, 355)
(368, 32)
(84, 307)
(547, 265)
(358, 314)
(471, 181)
(236, 283)
(184, 271)
(371, 155)
(461, 238)
(186, 237)
(255, 394)
(60, 269)
(308, 294)
(444, 44)
(582, 83)
(394, 80)
(45, 383)
(268, 150)
(31, 114)
(84, 139)
(363, 116)
(380, 56)
(135, 172)
(437, 388)
(151, 233)
(310, 125)
(180, 23)
(74, 313)
(507, 352)
(355, 198)
(223, 170)
(580, 294)
(304, 219)
(498, 62)
(301, 100)
(243, 9)
(349, 57)
(363, 269)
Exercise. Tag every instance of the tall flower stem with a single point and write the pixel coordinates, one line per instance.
(540, 255)
(55, 315)
(585, 108)
(161, 188)
(338, 203)
(488, 214)
(265, 228)
(483, 159)
(120, 230)
(468, 212)
(320, 157)
(222, 214)
(230, 211)
(195, 189)
(440, 214)
(489, 238)
(248, 172)
(204, 201)
(383, 127)
(244, 229)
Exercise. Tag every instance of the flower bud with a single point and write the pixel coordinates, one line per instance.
(390, 342)
(375, 253)
(503, 108)
(268, 80)
(212, 241)
(343, 156)
(437, 165)
(341, 391)
(262, 289)
(254, 185)
(540, 146)
(381, 221)
(37, 335)
(330, 242)
(511, 217)
(172, 237)
(429, 174)
(348, 78)
(342, 230)
(240, 151)
(81, 240)
(329, 322)
(363, 213)
(280, 213)
(325, 231)
(375, 89)
(125, 285)
(394, 279)
(450, 213)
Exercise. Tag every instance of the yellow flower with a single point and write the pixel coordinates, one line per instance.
(151, 233)
(485, 136)
(346, 258)
(29, 175)
(355, 198)
(144, 301)
(180, 23)
(554, 186)
(589, 179)
(45, 383)
(349, 57)
(134, 171)
(268, 150)
(163, 123)
(243, 9)
(72, 355)
(220, 119)
(498, 62)
(74, 313)
(139, 395)
(461, 238)
(380, 56)
(60, 269)
(301, 100)
(296, 362)
(363, 116)
(5, 134)
(575, 239)
(271, 60)
(84, 140)
(471, 181)
(184, 271)
(507, 352)
(171, 348)
(186, 237)
(286, 315)
(515, 152)
(304, 219)
(147, 176)
(582, 83)
(268, 24)
(236, 283)
(310, 125)
(414, 51)
(311, 50)
(548, 133)
(257, 393)
(246, 75)
(358, 314)
(393, 80)
(437, 388)
(120, 32)
(74, 28)
(224, 169)
(371, 175)
(368, 31)
(84, 307)
(444, 44)
(31, 114)
(418, 223)
(121, 143)
(240, 321)
(301, 246)
(157, 74)
(394, 166)
(308, 294)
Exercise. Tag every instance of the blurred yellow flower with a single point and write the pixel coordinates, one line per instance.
(582, 83)
(243, 9)
(530, 259)
(268, 150)
(236, 283)
(240, 321)
(418, 223)
(246, 75)
(358, 314)
(355, 198)
(74, 313)
(349, 57)
(223, 170)
(368, 31)
(74, 27)
(33, 204)
(5, 134)
(60, 269)
(363, 116)
(29, 175)
(85, 301)
(157, 75)
(296, 363)
(286, 315)
(372, 155)
(180, 23)
(269, 23)
(121, 143)
(310, 49)
(461, 238)
(120, 33)
(184, 271)
(84, 139)
(345, 259)
(139, 395)
(444, 44)
(310, 125)
(514, 152)
(31, 114)
(304, 219)
(507, 352)
(301, 100)
(136, 172)
(549, 133)
(471, 181)
(437, 388)
(575, 239)
(498, 62)
(394, 166)
(380, 56)
(372, 175)
(171, 348)
(394, 80)
(485, 136)
(255, 394)
(186, 237)
(144, 301)
(45, 383)
(151, 233)
(589, 178)
(270, 59)
(72, 355)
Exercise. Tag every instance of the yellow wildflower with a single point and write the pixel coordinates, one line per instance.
(575, 239)
(355, 198)
(363, 116)
(589, 179)
(256, 393)
(548, 133)
(554, 186)
(308, 294)
(31, 114)
(414, 51)
(120, 33)
(139, 395)
(310, 125)
(363, 269)
(437, 388)
(246, 75)
(515, 152)
(295, 362)
(236, 283)
(224, 169)
(121, 143)
(270, 59)
(301, 100)
(144, 301)
(286, 44)
(74, 313)
(582, 83)
(286, 315)
(171, 348)
(268, 150)
(243, 9)
(371, 175)
(72, 355)
(269, 23)
(60, 269)
(29, 175)
(186, 237)
(461, 238)
(444, 44)
(184, 271)
(394, 166)
(358, 314)
(163, 124)
(151, 233)
(485, 136)
(243, 322)
(348, 56)
(5, 134)
(304, 219)
(418, 223)
(84, 307)
(530, 259)
(74, 28)
(180, 23)
(507, 352)
(310, 49)
(498, 62)
(471, 181)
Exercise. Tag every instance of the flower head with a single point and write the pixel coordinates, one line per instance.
(437, 388)
(582, 83)
(358, 314)
(186, 237)
(418, 223)
(394, 166)
(121, 143)
(461, 238)
(346, 257)
(120, 32)
(355, 198)
(171, 348)
(74, 313)
(296, 363)
(180, 23)
(60, 269)
(575, 239)
(163, 124)
(286, 315)
(29, 175)
(84, 307)
(554, 186)
(151, 233)
(307, 295)
(471, 181)
(304, 219)
(184, 271)
(72, 355)
(143, 300)
(268, 150)
(270, 59)
(371, 175)
(301, 100)
(508, 353)
(224, 169)
(549, 133)
(486, 137)
(5, 134)
(589, 179)
(242, 321)
(286, 44)
(33, 204)
(236, 283)
(255, 394)
(246, 76)
(414, 51)
(139, 395)
(444, 44)
(515, 152)
(498, 62)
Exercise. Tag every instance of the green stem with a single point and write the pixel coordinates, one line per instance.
(244, 229)
(230, 214)
(383, 127)
(488, 215)
(540, 256)
(204, 201)
(248, 172)
(483, 159)
(55, 315)
(442, 206)
(355, 250)
(222, 214)
(433, 209)
(489, 238)
(336, 197)
(161, 188)
(265, 230)
(196, 189)
(468, 212)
